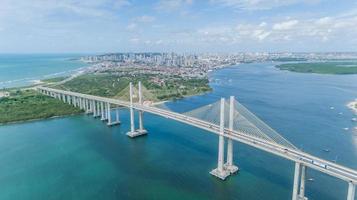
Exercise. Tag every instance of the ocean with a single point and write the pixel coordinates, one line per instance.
(25, 69)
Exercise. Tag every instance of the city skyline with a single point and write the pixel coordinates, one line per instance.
(99, 26)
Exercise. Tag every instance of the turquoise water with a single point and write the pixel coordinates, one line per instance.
(23, 69)
(80, 157)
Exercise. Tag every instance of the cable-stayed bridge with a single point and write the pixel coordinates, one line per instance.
(229, 119)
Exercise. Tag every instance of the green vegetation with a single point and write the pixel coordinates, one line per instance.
(321, 67)
(23, 105)
(54, 80)
(27, 104)
(155, 87)
(178, 88)
(105, 85)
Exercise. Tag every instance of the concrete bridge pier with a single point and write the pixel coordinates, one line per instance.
(117, 116)
(74, 101)
(90, 106)
(351, 191)
(299, 179)
(141, 113)
(229, 164)
(81, 103)
(102, 111)
(97, 109)
(302, 183)
(109, 116)
(94, 106)
(296, 181)
(86, 105)
(132, 133)
(220, 171)
(116, 120)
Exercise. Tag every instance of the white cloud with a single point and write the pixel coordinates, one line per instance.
(263, 24)
(134, 40)
(261, 34)
(131, 26)
(46, 10)
(303, 31)
(145, 19)
(260, 4)
(170, 5)
(158, 42)
(285, 25)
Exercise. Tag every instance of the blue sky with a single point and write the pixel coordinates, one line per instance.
(96, 26)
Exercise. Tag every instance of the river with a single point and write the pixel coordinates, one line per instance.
(79, 157)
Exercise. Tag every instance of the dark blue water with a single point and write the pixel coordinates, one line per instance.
(23, 69)
(81, 158)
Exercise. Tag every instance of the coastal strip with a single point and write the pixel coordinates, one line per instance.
(353, 106)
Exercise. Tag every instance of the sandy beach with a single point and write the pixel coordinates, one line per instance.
(353, 105)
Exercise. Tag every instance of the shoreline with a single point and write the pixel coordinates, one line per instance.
(353, 106)
(37, 80)
(39, 119)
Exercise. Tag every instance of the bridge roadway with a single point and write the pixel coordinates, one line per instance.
(324, 166)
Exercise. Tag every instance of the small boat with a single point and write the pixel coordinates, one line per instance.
(346, 129)
(326, 150)
(310, 179)
(332, 107)
(354, 119)
(340, 113)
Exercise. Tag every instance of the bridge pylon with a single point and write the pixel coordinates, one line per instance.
(299, 182)
(141, 131)
(351, 191)
(229, 164)
(221, 172)
(109, 114)
(141, 113)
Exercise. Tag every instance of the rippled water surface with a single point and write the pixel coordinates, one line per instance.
(24, 69)
(80, 157)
